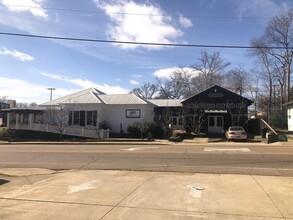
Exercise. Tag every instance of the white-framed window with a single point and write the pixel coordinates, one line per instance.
(177, 121)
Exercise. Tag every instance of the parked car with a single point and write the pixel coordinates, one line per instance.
(236, 133)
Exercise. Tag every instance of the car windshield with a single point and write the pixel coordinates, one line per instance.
(236, 129)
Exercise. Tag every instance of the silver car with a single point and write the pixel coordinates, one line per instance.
(236, 133)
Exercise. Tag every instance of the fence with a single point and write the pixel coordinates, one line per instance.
(89, 132)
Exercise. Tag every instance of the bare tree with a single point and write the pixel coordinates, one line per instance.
(3, 98)
(210, 67)
(147, 91)
(193, 117)
(276, 47)
(236, 80)
(33, 104)
(178, 86)
(268, 65)
(58, 118)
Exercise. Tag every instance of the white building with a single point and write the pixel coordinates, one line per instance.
(82, 112)
(290, 115)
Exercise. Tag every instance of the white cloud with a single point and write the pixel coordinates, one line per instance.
(136, 22)
(84, 84)
(133, 82)
(23, 91)
(16, 54)
(185, 22)
(50, 75)
(112, 89)
(32, 6)
(258, 8)
(167, 72)
(136, 76)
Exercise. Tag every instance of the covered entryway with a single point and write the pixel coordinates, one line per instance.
(215, 124)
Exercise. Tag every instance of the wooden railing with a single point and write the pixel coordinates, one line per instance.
(90, 132)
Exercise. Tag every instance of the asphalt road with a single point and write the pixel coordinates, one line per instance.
(224, 158)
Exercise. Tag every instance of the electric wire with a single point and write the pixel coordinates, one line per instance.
(137, 14)
(141, 43)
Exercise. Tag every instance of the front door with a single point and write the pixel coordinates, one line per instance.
(215, 124)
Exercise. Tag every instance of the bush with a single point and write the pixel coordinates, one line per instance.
(156, 130)
(134, 130)
(142, 129)
(104, 125)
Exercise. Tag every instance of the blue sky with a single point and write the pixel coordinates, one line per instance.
(28, 66)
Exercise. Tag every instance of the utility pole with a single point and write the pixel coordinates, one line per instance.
(51, 89)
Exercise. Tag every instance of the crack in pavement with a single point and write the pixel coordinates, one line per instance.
(148, 179)
(275, 205)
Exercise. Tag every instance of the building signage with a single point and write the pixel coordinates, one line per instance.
(132, 113)
(215, 95)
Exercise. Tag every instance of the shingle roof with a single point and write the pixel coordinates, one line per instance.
(167, 102)
(82, 97)
(122, 99)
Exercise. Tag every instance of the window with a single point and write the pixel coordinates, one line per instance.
(70, 118)
(91, 118)
(177, 121)
(82, 118)
(76, 117)
(174, 121)
(219, 121)
(211, 121)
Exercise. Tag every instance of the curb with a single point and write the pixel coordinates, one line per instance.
(82, 143)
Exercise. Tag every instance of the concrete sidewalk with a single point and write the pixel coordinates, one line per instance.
(112, 195)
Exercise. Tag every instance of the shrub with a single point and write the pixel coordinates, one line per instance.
(141, 129)
(156, 130)
(104, 125)
(134, 130)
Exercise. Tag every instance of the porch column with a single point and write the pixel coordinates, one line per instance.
(16, 120)
(8, 120)
(99, 115)
(30, 121)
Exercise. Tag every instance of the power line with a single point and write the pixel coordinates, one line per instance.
(138, 14)
(140, 43)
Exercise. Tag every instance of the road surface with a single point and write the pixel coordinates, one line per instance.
(225, 158)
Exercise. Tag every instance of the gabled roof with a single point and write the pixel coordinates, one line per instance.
(167, 102)
(95, 96)
(216, 89)
(82, 97)
(122, 99)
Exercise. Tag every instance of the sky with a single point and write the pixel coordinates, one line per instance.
(29, 66)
